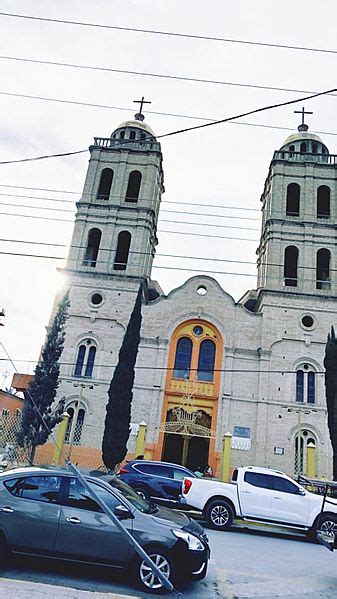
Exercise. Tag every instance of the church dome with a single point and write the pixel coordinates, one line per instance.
(136, 129)
(304, 142)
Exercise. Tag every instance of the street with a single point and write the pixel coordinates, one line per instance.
(243, 564)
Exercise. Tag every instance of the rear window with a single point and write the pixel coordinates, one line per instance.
(235, 475)
(38, 488)
(155, 469)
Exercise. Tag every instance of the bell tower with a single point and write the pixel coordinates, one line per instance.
(116, 220)
(299, 218)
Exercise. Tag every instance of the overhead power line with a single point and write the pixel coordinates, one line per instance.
(200, 271)
(169, 114)
(158, 255)
(195, 127)
(151, 367)
(158, 75)
(171, 33)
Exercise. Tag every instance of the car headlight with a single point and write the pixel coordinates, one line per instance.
(193, 542)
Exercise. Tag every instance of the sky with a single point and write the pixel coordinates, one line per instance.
(214, 177)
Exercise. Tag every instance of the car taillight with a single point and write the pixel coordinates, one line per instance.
(122, 471)
(187, 486)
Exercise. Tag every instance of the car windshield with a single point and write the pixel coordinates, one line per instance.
(138, 502)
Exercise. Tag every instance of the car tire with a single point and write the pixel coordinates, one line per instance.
(146, 580)
(219, 514)
(326, 523)
(142, 492)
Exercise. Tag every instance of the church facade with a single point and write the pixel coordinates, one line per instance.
(206, 365)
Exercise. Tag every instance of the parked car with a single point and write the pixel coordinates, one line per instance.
(46, 511)
(260, 495)
(160, 481)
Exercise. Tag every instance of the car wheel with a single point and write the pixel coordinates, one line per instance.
(141, 492)
(147, 579)
(327, 523)
(219, 514)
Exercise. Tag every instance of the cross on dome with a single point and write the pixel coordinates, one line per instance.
(302, 126)
(139, 116)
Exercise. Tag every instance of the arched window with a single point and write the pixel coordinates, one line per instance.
(303, 147)
(132, 134)
(299, 385)
(105, 183)
(314, 148)
(293, 199)
(306, 438)
(182, 362)
(323, 201)
(74, 430)
(122, 252)
(290, 266)
(311, 387)
(122, 134)
(85, 359)
(206, 360)
(91, 252)
(323, 269)
(132, 191)
(305, 384)
(291, 151)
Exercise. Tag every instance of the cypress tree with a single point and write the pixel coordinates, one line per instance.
(330, 365)
(118, 409)
(41, 392)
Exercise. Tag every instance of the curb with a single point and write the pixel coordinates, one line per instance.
(23, 589)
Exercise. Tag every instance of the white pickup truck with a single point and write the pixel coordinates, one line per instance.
(260, 495)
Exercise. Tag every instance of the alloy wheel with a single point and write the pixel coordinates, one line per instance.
(328, 526)
(219, 515)
(148, 577)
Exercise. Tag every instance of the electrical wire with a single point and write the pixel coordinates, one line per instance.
(169, 368)
(170, 33)
(158, 75)
(200, 271)
(188, 129)
(158, 255)
(170, 114)
(162, 210)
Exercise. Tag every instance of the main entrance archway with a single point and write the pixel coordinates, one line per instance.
(187, 436)
(191, 394)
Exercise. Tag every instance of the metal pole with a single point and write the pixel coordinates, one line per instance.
(298, 465)
(123, 530)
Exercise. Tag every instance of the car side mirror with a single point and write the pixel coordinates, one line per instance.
(301, 492)
(122, 512)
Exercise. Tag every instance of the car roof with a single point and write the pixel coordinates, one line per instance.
(56, 470)
(158, 463)
(264, 470)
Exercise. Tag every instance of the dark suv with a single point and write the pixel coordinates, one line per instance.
(47, 512)
(160, 481)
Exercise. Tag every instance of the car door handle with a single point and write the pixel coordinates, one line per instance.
(7, 510)
(243, 491)
(277, 497)
(73, 520)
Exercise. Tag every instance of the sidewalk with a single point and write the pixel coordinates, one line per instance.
(21, 589)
